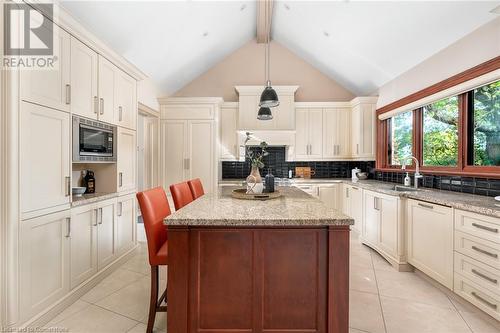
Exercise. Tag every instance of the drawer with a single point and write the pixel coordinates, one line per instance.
(477, 248)
(478, 225)
(480, 297)
(482, 274)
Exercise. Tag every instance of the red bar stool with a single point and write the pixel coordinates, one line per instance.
(181, 195)
(154, 208)
(196, 188)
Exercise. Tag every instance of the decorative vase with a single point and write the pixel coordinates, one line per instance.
(254, 181)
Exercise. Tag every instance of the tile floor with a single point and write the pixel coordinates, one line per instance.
(381, 301)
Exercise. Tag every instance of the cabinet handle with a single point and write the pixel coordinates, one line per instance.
(375, 203)
(347, 192)
(68, 94)
(186, 163)
(493, 255)
(96, 105)
(96, 217)
(355, 188)
(479, 226)
(101, 106)
(120, 208)
(495, 281)
(67, 181)
(68, 223)
(357, 148)
(120, 113)
(100, 215)
(425, 206)
(120, 179)
(491, 305)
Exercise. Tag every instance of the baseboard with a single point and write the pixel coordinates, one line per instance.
(46, 316)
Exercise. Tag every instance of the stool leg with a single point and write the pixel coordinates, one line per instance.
(153, 299)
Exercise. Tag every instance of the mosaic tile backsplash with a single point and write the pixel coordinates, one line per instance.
(275, 161)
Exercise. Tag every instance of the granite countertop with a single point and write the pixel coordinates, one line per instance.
(91, 198)
(473, 203)
(294, 208)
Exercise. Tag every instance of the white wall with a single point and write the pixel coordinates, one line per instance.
(147, 94)
(479, 46)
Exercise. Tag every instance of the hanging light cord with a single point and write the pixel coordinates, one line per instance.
(268, 21)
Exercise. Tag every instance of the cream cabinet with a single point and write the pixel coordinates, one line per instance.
(125, 113)
(352, 204)
(83, 240)
(430, 240)
(363, 133)
(84, 65)
(330, 195)
(44, 158)
(309, 135)
(174, 140)
(43, 262)
(105, 233)
(107, 81)
(336, 133)
(228, 126)
(126, 160)
(125, 235)
(50, 87)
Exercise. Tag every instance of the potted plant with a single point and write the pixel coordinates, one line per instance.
(256, 159)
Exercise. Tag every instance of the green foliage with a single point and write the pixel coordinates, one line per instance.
(256, 158)
(402, 137)
(487, 125)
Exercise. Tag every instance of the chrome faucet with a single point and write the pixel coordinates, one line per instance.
(417, 169)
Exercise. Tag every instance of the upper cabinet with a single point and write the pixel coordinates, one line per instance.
(308, 136)
(364, 128)
(50, 87)
(284, 114)
(84, 100)
(336, 132)
(228, 120)
(107, 81)
(125, 114)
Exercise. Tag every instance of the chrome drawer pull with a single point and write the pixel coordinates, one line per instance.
(493, 255)
(495, 281)
(479, 226)
(491, 305)
(425, 206)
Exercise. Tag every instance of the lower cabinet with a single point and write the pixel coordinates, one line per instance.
(352, 205)
(44, 262)
(330, 195)
(105, 233)
(430, 240)
(125, 235)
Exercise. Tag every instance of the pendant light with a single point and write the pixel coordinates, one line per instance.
(269, 97)
(264, 113)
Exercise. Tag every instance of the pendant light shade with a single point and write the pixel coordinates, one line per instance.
(264, 113)
(269, 97)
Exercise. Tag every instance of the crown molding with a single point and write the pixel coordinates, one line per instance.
(190, 100)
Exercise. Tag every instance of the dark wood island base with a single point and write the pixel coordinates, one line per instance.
(279, 279)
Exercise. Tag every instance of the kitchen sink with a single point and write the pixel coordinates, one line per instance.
(401, 188)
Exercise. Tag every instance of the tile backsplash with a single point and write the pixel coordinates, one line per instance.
(275, 161)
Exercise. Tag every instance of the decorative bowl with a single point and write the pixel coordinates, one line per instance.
(78, 191)
(362, 175)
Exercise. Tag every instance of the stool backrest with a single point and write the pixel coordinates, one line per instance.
(181, 194)
(196, 188)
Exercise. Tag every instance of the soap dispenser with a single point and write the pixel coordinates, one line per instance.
(407, 180)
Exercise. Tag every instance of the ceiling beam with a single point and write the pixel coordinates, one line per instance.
(264, 20)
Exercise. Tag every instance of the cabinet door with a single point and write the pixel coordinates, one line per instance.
(105, 233)
(315, 133)
(44, 157)
(50, 87)
(125, 224)
(346, 199)
(126, 102)
(330, 130)
(83, 244)
(106, 86)
(174, 143)
(363, 130)
(126, 160)
(344, 133)
(356, 203)
(201, 152)
(229, 138)
(430, 240)
(302, 134)
(84, 99)
(330, 196)
(388, 236)
(356, 130)
(371, 218)
(44, 262)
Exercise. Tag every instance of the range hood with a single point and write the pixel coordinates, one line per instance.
(272, 138)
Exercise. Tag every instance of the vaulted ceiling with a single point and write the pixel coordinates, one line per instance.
(361, 45)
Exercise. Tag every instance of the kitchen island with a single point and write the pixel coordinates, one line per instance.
(280, 265)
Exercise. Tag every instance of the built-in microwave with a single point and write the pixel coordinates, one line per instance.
(93, 141)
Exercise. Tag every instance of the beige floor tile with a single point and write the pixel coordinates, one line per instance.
(139, 264)
(160, 320)
(353, 330)
(117, 280)
(365, 312)
(481, 322)
(411, 287)
(139, 328)
(379, 263)
(97, 320)
(463, 305)
(412, 317)
(131, 301)
(360, 259)
(362, 279)
(78, 306)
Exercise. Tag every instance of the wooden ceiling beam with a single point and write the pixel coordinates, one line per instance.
(264, 20)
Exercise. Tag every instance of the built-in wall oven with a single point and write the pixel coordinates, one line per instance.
(93, 141)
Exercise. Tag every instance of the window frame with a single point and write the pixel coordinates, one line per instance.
(465, 136)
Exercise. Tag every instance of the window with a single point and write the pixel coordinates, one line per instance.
(400, 138)
(484, 126)
(440, 133)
